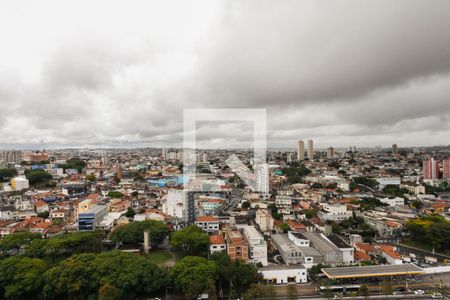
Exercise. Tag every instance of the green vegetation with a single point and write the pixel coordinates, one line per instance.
(433, 230)
(91, 178)
(82, 276)
(355, 225)
(369, 203)
(395, 191)
(191, 240)
(274, 212)
(21, 277)
(115, 194)
(6, 174)
(191, 275)
(74, 163)
(133, 233)
(38, 177)
(159, 257)
(442, 188)
(365, 181)
(285, 227)
(130, 213)
(295, 173)
(62, 246)
(15, 241)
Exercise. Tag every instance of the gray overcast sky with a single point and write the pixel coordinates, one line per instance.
(109, 73)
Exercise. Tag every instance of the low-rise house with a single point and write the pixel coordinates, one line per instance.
(209, 224)
(217, 243)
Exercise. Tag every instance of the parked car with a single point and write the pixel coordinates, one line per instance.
(419, 292)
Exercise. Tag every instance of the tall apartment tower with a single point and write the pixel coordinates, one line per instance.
(446, 164)
(330, 153)
(431, 169)
(310, 150)
(300, 150)
(394, 149)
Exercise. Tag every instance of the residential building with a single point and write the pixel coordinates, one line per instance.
(19, 183)
(277, 274)
(209, 224)
(446, 164)
(300, 150)
(217, 243)
(264, 220)
(335, 212)
(310, 149)
(256, 244)
(430, 169)
(237, 246)
(89, 220)
(397, 201)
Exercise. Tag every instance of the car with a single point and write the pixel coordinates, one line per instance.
(419, 292)
(396, 293)
(436, 296)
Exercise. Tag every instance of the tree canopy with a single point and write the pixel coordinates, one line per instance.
(191, 240)
(133, 233)
(6, 174)
(191, 275)
(434, 230)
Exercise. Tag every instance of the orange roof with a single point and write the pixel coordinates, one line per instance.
(216, 239)
(389, 250)
(392, 224)
(359, 255)
(43, 225)
(365, 247)
(207, 219)
(295, 225)
(40, 203)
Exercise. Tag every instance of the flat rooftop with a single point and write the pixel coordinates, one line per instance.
(372, 271)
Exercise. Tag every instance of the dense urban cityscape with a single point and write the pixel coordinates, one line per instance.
(118, 223)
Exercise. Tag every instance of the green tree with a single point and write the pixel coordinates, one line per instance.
(74, 163)
(364, 291)
(192, 274)
(38, 177)
(237, 275)
(43, 215)
(292, 292)
(91, 178)
(21, 277)
(191, 240)
(85, 275)
(17, 240)
(64, 245)
(6, 174)
(108, 292)
(130, 213)
(285, 227)
(133, 233)
(246, 205)
(115, 194)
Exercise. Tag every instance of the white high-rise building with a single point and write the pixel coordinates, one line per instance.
(164, 153)
(289, 158)
(310, 149)
(300, 150)
(175, 203)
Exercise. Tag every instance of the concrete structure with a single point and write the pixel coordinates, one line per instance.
(446, 164)
(12, 157)
(393, 201)
(300, 150)
(283, 201)
(330, 153)
(310, 149)
(385, 181)
(237, 246)
(175, 203)
(284, 274)
(431, 169)
(89, 220)
(372, 271)
(19, 183)
(394, 149)
(217, 244)
(264, 220)
(209, 224)
(334, 252)
(256, 244)
(335, 212)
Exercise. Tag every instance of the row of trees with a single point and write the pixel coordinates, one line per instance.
(108, 275)
(431, 230)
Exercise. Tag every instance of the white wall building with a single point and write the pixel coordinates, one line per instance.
(284, 274)
(175, 203)
(257, 246)
(335, 212)
(394, 201)
(264, 220)
(19, 183)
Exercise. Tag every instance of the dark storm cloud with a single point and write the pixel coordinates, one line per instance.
(341, 72)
